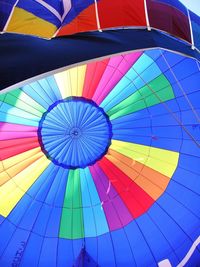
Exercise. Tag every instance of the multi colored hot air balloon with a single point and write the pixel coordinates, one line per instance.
(99, 134)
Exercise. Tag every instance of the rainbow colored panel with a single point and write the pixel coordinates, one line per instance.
(106, 152)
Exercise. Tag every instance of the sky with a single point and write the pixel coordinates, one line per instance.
(193, 5)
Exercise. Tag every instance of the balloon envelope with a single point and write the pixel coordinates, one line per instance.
(100, 164)
(49, 18)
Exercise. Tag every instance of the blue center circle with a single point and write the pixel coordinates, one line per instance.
(75, 132)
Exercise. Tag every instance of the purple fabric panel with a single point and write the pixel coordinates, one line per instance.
(110, 199)
(168, 18)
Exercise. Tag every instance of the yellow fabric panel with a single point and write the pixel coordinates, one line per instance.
(152, 182)
(70, 82)
(161, 160)
(64, 83)
(27, 23)
(77, 79)
(15, 188)
(1, 166)
(12, 166)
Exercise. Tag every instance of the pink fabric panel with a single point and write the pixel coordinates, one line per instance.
(116, 69)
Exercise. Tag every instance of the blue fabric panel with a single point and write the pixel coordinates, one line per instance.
(187, 178)
(194, 130)
(77, 7)
(196, 28)
(192, 99)
(61, 183)
(172, 229)
(39, 190)
(195, 258)
(32, 251)
(184, 218)
(50, 87)
(188, 85)
(188, 117)
(58, 5)
(106, 256)
(179, 70)
(186, 161)
(48, 253)
(44, 97)
(77, 246)
(65, 51)
(91, 247)
(37, 96)
(15, 249)
(122, 250)
(53, 226)
(39, 11)
(139, 246)
(42, 220)
(7, 229)
(11, 114)
(185, 196)
(5, 10)
(154, 54)
(65, 256)
(30, 216)
(169, 230)
(190, 147)
(153, 237)
(56, 193)
(15, 216)
(173, 59)
(1, 219)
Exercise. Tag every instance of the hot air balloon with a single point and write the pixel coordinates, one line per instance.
(99, 134)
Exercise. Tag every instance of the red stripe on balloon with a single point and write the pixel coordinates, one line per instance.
(10, 148)
(93, 76)
(135, 198)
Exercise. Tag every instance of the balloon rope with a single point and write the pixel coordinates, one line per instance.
(168, 109)
(182, 90)
(191, 29)
(97, 16)
(147, 15)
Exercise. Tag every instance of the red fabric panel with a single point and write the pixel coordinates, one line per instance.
(10, 148)
(117, 13)
(135, 198)
(93, 76)
(169, 19)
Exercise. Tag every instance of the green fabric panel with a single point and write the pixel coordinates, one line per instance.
(71, 225)
(19, 99)
(144, 98)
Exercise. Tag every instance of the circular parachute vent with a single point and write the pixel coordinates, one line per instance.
(75, 132)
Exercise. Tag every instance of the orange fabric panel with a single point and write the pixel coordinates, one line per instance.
(85, 21)
(151, 181)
